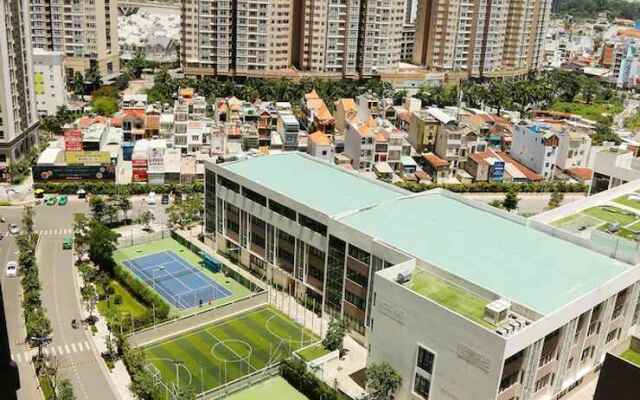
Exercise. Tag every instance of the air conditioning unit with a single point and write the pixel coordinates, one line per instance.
(403, 277)
(497, 311)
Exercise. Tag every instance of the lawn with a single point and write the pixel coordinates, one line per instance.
(313, 352)
(625, 200)
(450, 296)
(228, 349)
(274, 388)
(130, 306)
(632, 356)
(596, 111)
(577, 222)
(133, 252)
(612, 215)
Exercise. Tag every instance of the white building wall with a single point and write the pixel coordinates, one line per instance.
(529, 149)
(49, 81)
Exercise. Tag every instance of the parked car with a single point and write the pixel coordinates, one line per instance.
(12, 269)
(51, 201)
(151, 198)
(165, 198)
(63, 199)
(67, 243)
(13, 229)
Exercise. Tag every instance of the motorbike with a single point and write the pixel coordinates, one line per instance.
(74, 323)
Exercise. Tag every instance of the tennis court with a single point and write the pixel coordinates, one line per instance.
(179, 282)
(226, 350)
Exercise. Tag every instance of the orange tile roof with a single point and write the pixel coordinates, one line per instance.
(311, 95)
(347, 104)
(380, 137)
(137, 113)
(186, 92)
(364, 128)
(434, 160)
(528, 173)
(320, 138)
(584, 174)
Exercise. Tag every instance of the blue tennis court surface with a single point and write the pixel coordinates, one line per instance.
(182, 284)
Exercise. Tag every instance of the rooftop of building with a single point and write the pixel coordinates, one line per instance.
(311, 182)
(482, 246)
(488, 250)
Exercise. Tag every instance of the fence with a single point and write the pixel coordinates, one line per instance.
(134, 238)
(241, 383)
(197, 319)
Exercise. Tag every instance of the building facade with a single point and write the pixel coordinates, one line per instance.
(482, 38)
(49, 81)
(536, 146)
(18, 117)
(85, 31)
(265, 38)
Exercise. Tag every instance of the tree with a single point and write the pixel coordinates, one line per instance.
(511, 200)
(382, 381)
(106, 106)
(27, 219)
(80, 232)
(555, 200)
(146, 218)
(77, 84)
(124, 204)
(102, 243)
(97, 206)
(496, 204)
(90, 298)
(94, 77)
(65, 390)
(138, 63)
(334, 339)
(38, 325)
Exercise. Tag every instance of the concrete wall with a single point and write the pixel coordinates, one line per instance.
(468, 358)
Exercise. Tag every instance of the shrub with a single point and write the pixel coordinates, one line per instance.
(142, 292)
(117, 299)
(498, 187)
(109, 188)
(295, 372)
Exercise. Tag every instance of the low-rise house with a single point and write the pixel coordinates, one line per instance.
(320, 146)
(317, 115)
(436, 167)
(536, 146)
(346, 109)
(573, 149)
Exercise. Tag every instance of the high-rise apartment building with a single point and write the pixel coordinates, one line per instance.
(18, 116)
(267, 37)
(85, 31)
(483, 38)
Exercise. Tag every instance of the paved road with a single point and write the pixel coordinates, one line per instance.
(77, 358)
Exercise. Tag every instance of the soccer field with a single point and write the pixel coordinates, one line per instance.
(226, 350)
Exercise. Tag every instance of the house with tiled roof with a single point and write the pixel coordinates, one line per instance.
(319, 145)
(316, 113)
(345, 110)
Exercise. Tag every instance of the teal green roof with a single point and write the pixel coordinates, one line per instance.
(314, 183)
(512, 260)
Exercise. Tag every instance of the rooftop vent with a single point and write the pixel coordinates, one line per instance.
(497, 311)
(403, 277)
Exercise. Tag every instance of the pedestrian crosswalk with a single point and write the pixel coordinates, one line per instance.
(52, 350)
(50, 232)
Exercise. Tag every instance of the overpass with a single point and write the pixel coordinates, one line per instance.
(128, 7)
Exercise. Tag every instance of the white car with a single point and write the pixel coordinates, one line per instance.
(13, 229)
(151, 198)
(12, 269)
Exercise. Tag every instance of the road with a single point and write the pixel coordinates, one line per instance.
(529, 204)
(72, 348)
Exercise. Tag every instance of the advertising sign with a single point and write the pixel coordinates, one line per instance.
(42, 173)
(87, 157)
(496, 171)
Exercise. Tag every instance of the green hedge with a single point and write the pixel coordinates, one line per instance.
(498, 187)
(145, 294)
(295, 372)
(108, 188)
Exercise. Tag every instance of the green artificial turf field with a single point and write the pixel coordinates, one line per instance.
(228, 349)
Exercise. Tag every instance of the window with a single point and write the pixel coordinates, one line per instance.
(587, 353)
(282, 210)
(313, 224)
(509, 381)
(255, 197)
(233, 186)
(613, 335)
(422, 386)
(543, 382)
(594, 327)
(359, 254)
(425, 360)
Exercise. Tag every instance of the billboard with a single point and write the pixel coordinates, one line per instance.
(73, 140)
(87, 157)
(45, 173)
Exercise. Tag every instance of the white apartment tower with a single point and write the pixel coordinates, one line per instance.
(85, 31)
(18, 116)
(482, 38)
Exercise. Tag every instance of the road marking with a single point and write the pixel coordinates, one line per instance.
(73, 347)
(66, 347)
(53, 350)
(60, 350)
(87, 345)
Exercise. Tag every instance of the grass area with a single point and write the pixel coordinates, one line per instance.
(128, 253)
(45, 386)
(576, 222)
(598, 112)
(612, 215)
(274, 388)
(449, 296)
(635, 227)
(625, 200)
(632, 356)
(313, 352)
(129, 305)
(229, 349)
(632, 123)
